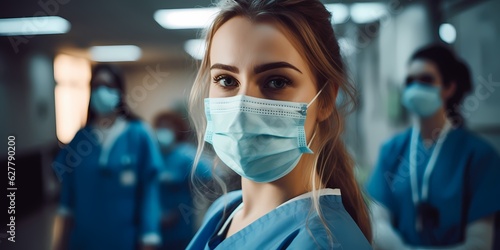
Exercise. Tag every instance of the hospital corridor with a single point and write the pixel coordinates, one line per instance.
(250, 124)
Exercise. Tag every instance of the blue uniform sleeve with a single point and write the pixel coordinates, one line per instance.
(482, 186)
(382, 179)
(213, 217)
(204, 168)
(64, 165)
(66, 202)
(222, 203)
(316, 237)
(150, 161)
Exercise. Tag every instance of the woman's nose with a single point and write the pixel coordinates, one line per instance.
(250, 88)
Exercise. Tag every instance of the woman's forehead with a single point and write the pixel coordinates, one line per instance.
(421, 66)
(241, 42)
(104, 76)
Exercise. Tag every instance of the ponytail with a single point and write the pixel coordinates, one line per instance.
(343, 177)
(463, 85)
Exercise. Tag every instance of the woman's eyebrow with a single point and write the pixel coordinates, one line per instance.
(269, 66)
(258, 69)
(224, 67)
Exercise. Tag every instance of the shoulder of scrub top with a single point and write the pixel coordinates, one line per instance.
(396, 143)
(135, 125)
(479, 146)
(84, 133)
(141, 127)
(483, 160)
(224, 202)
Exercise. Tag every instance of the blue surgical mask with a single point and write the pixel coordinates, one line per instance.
(104, 100)
(261, 140)
(166, 137)
(422, 99)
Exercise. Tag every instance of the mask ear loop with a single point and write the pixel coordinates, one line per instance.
(316, 96)
(312, 137)
(311, 102)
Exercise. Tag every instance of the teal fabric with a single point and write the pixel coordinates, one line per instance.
(291, 226)
(109, 210)
(176, 199)
(464, 186)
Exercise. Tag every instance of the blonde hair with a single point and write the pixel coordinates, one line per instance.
(309, 24)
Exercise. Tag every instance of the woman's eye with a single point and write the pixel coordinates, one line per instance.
(277, 83)
(427, 79)
(225, 81)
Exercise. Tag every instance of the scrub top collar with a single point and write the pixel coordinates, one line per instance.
(322, 192)
(118, 127)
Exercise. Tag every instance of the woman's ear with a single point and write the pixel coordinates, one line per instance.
(449, 91)
(326, 105)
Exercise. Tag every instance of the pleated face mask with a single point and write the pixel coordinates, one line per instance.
(422, 99)
(260, 139)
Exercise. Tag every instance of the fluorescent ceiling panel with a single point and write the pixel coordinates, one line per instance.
(115, 53)
(195, 18)
(196, 48)
(26, 26)
(340, 12)
(367, 12)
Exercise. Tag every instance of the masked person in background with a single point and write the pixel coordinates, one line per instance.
(109, 172)
(435, 185)
(178, 220)
(268, 84)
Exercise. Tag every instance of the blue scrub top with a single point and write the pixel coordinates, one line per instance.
(176, 197)
(112, 206)
(464, 186)
(283, 228)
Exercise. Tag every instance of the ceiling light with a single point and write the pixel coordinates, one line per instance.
(367, 12)
(42, 25)
(115, 53)
(196, 48)
(447, 32)
(195, 18)
(340, 12)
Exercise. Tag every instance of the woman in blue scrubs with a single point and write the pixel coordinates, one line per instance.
(268, 84)
(178, 223)
(436, 184)
(109, 171)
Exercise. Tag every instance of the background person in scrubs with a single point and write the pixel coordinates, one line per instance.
(109, 172)
(436, 184)
(178, 221)
(270, 77)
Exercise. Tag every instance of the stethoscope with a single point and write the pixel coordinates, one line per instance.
(417, 201)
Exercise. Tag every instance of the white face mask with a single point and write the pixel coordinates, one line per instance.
(104, 100)
(260, 139)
